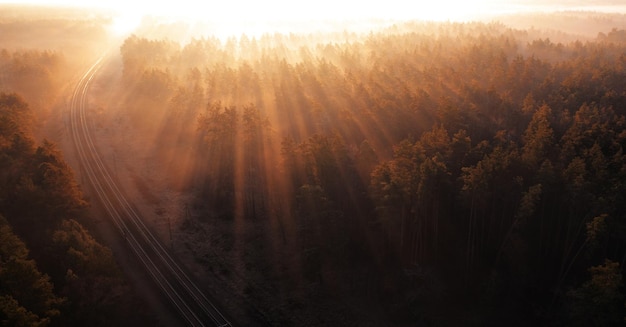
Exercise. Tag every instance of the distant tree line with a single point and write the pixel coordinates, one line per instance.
(36, 75)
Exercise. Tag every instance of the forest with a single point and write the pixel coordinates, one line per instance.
(53, 271)
(424, 173)
(418, 174)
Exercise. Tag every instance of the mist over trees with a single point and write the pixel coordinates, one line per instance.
(422, 173)
(53, 272)
(41, 50)
(425, 169)
(41, 210)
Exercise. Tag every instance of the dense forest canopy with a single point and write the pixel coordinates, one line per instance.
(425, 168)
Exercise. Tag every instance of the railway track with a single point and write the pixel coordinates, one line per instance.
(190, 302)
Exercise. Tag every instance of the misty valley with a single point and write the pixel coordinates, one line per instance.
(380, 173)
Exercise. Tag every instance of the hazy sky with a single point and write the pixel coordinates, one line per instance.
(299, 9)
(233, 11)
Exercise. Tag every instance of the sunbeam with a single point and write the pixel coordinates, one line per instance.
(312, 163)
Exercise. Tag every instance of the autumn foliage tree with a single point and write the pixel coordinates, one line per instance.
(53, 272)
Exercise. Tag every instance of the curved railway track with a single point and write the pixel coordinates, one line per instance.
(190, 302)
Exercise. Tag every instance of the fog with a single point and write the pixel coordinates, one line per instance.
(255, 18)
(336, 164)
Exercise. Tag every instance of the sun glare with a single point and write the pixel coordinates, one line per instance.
(125, 23)
(256, 17)
(235, 17)
(284, 10)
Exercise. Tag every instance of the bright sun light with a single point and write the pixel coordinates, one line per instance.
(248, 10)
(125, 23)
(237, 12)
(232, 14)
